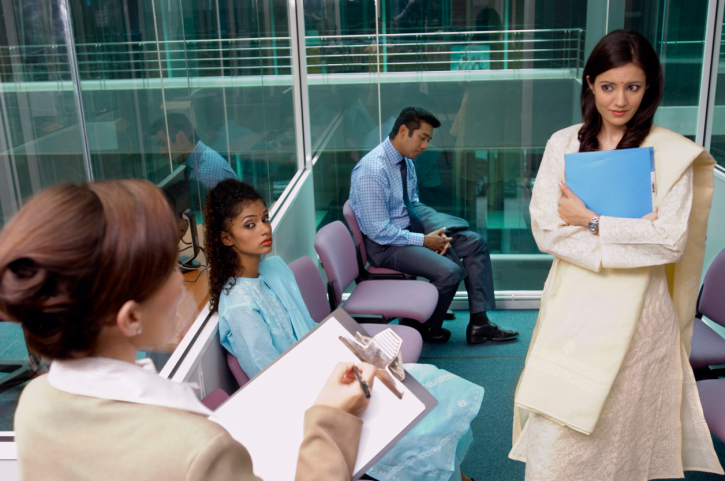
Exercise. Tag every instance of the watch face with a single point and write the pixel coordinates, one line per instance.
(593, 227)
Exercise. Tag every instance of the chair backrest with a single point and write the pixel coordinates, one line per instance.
(237, 370)
(337, 253)
(712, 297)
(312, 287)
(356, 232)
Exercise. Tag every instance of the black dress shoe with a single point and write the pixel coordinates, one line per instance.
(450, 315)
(491, 332)
(439, 337)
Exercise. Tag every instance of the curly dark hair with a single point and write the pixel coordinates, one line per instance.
(223, 204)
(616, 49)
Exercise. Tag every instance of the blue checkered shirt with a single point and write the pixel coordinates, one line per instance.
(376, 196)
(207, 166)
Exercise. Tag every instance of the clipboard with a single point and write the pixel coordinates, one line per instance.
(266, 415)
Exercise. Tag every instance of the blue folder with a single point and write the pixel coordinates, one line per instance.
(615, 183)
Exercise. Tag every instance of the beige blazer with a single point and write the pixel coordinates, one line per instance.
(66, 437)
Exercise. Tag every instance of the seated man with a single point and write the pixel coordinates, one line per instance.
(205, 164)
(382, 192)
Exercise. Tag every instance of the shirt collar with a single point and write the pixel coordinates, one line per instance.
(391, 153)
(195, 155)
(117, 380)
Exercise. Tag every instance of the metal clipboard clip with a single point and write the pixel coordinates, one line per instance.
(383, 352)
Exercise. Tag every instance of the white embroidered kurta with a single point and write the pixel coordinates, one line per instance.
(651, 420)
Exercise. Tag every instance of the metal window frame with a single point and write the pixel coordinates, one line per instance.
(710, 64)
(64, 8)
(303, 137)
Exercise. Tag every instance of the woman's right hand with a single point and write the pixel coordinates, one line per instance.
(342, 391)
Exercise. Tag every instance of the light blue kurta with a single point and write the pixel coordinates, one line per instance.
(261, 318)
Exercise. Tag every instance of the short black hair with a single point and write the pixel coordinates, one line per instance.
(411, 117)
(177, 123)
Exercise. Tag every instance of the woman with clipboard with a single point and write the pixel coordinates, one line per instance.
(607, 392)
(90, 273)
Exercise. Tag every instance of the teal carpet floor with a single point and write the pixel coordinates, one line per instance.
(496, 367)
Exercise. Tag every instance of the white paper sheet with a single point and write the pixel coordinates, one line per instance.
(267, 415)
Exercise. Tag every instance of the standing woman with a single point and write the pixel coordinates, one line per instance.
(607, 392)
(90, 273)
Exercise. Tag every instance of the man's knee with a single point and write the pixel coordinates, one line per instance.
(479, 242)
(449, 274)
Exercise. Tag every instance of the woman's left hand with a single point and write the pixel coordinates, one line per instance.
(571, 209)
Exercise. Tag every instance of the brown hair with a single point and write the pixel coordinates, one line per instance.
(73, 255)
(616, 49)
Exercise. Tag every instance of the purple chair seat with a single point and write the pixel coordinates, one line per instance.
(712, 398)
(708, 347)
(411, 299)
(215, 398)
(381, 271)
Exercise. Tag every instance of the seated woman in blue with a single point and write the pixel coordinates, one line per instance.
(261, 314)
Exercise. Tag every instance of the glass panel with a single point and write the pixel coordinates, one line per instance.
(717, 142)
(40, 143)
(500, 84)
(676, 29)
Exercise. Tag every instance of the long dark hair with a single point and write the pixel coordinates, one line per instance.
(223, 204)
(74, 254)
(617, 49)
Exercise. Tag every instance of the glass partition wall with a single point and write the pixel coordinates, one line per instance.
(500, 75)
(90, 85)
(165, 90)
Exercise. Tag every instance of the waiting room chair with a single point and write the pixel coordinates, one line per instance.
(366, 272)
(708, 347)
(312, 289)
(712, 393)
(369, 272)
(388, 298)
(215, 399)
(237, 370)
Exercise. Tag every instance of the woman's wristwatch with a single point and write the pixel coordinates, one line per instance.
(594, 224)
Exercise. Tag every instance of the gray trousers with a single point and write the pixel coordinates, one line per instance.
(467, 259)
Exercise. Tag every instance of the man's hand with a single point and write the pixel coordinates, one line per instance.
(437, 241)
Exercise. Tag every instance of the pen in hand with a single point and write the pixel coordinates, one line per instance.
(363, 383)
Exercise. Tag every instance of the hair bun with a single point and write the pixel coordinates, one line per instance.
(23, 286)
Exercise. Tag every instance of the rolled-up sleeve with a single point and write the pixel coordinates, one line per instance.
(368, 202)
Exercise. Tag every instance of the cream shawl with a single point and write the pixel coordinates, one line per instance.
(585, 327)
